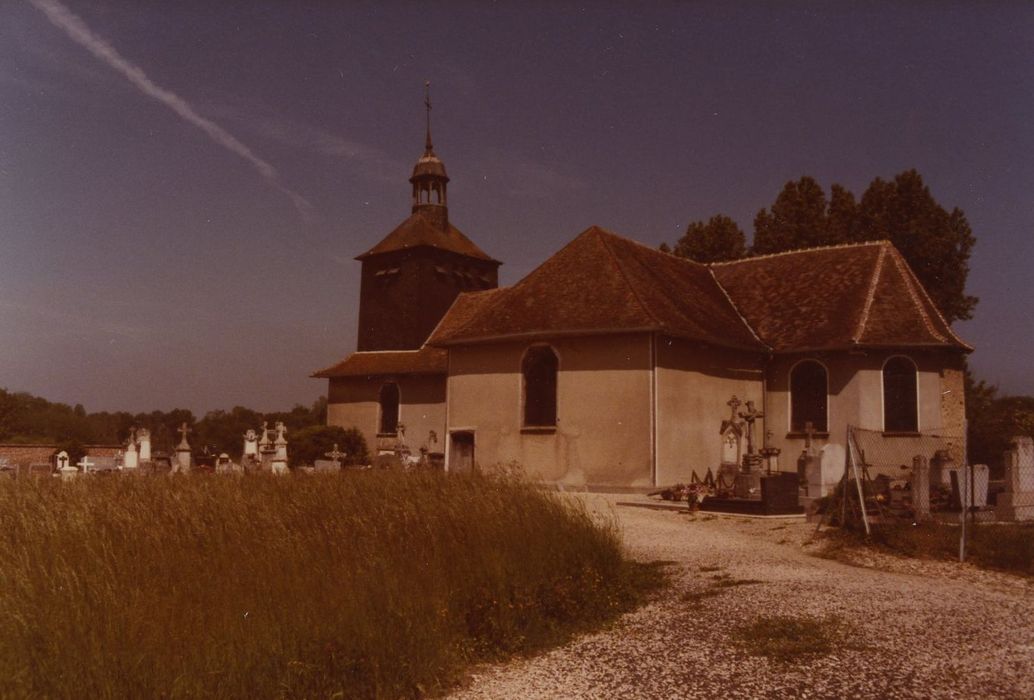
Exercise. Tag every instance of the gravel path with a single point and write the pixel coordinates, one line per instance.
(918, 629)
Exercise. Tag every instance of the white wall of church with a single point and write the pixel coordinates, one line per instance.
(694, 384)
(353, 402)
(603, 428)
(855, 397)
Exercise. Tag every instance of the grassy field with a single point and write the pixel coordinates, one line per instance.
(361, 585)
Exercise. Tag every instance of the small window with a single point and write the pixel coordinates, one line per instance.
(539, 369)
(389, 401)
(808, 397)
(900, 399)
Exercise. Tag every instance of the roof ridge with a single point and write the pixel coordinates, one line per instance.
(870, 295)
(911, 284)
(832, 246)
(911, 275)
(735, 308)
(628, 283)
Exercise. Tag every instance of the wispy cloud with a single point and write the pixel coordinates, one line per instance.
(77, 30)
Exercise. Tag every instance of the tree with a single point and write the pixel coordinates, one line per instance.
(314, 442)
(797, 219)
(935, 242)
(717, 240)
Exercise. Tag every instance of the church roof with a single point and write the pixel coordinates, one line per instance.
(860, 295)
(598, 283)
(426, 360)
(418, 231)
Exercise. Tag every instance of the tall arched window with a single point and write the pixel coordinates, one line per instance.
(900, 399)
(539, 370)
(389, 401)
(808, 392)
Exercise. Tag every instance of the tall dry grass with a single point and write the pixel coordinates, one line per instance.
(372, 585)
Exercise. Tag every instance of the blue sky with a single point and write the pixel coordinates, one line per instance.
(179, 232)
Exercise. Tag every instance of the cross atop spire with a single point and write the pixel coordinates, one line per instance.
(428, 148)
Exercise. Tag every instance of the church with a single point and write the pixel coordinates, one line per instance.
(612, 365)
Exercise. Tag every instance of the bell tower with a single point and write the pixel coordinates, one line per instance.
(411, 278)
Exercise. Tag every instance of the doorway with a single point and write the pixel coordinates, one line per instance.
(461, 451)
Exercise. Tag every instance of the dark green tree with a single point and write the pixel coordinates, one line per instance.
(797, 219)
(714, 241)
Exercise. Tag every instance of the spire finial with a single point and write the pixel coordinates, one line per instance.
(427, 103)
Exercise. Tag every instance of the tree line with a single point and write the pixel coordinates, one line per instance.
(28, 419)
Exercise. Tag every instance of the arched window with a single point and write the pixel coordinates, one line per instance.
(539, 369)
(808, 391)
(900, 399)
(389, 401)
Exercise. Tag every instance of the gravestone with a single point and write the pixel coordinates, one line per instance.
(831, 464)
(131, 458)
(748, 481)
(731, 435)
(143, 439)
(85, 465)
(810, 464)
(326, 465)
(921, 487)
(279, 461)
(1017, 501)
(65, 469)
(225, 465)
(250, 445)
(182, 463)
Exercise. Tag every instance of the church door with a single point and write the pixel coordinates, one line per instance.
(461, 455)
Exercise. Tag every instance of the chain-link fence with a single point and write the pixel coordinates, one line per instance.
(925, 477)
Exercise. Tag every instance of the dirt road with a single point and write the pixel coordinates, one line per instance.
(908, 629)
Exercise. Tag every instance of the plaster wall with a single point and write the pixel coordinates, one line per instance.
(694, 384)
(353, 402)
(602, 437)
(855, 397)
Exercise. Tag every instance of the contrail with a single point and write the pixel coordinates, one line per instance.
(62, 18)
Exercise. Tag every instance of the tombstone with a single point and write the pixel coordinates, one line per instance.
(279, 462)
(225, 465)
(182, 463)
(732, 434)
(143, 438)
(103, 464)
(770, 454)
(65, 469)
(131, 458)
(921, 487)
(831, 464)
(809, 463)
(1017, 501)
(326, 465)
(85, 464)
(250, 445)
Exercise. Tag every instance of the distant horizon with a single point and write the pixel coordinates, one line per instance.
(183, 187)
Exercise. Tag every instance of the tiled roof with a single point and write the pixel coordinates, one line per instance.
(418, 231)
(462, 311)
(426, 360)
(835, 297)
(601, 282)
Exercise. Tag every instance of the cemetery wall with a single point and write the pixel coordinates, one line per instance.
(694, 384)
(602, 437)
(39, 453)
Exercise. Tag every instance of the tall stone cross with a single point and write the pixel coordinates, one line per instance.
(335, 454)
(183, 430)
(734, 404)
(750, 415)
(85, 464)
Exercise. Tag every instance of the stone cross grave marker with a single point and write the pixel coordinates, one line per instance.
(84, 464)
(335, 454)
(183, 430)
(750, 415)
